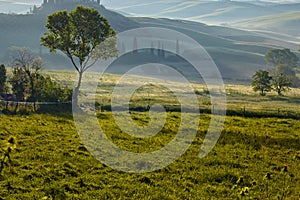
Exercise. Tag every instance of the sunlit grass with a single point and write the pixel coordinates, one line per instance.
(255, 158)
(238, 96)
(50, 160)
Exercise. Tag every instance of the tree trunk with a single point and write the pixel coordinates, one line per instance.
(76, 90)
(279, 91)
(16, 107)
(33, 93)
(34, 106)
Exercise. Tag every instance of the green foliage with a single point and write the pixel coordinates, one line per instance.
(276, 57)
(29, 84)
(78, 34)
(261, 81)
(29, 65)
(50, 91)
(289, 72)
(46, 89)
(283, 74)
(19, 82)
(2, 78)
(281, 82)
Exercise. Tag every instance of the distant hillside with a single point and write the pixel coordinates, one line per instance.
(237, 53)
(117, 21)
(288, 23)
(27, 29)
(225, 11)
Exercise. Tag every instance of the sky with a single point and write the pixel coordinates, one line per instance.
(23, 6)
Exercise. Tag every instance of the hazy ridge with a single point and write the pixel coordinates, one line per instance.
(237, 53)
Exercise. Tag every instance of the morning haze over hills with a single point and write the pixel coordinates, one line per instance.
(236, 34)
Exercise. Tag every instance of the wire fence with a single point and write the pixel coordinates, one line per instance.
(27, 107)
(244, 111)
(37, 103)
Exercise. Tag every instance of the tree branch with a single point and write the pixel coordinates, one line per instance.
(72, 60)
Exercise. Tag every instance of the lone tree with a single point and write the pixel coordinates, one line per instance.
(78, 34)
(261, 81)
(2, 78)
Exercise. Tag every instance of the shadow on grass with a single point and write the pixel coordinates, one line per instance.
(256, 142)
(64, 110)
(207, 110)
(285, 99)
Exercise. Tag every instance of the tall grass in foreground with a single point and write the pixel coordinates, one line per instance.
(253, 159)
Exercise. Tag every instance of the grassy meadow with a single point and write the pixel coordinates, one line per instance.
(240, 97)
(256, 157)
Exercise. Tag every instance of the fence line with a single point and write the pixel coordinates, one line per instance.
(36, 103)
(245, 111)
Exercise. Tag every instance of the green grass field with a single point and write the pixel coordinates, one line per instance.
(255, 157)
(239, 96)
(50, 161)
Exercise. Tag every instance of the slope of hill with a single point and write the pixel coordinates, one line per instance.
(20, 6)
(27, 29)
(225, 11)
(237, 53)
(286, 7)
(118, 21)
(288, 23)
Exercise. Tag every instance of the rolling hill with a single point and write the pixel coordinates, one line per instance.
(25, 30)
(237, 53)
(215, 12)
(287, 23)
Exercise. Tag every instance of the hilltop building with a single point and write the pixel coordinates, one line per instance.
(50, 6)
(60, 2)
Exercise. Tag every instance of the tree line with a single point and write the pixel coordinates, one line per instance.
(281, 76)
(27, 83)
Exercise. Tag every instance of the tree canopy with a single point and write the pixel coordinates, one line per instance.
(280, 81)
(287, 71)
(27, 65)
(27, 81)
(78, 34)
(276, 57)
(261, 81)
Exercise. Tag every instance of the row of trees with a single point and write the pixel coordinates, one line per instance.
(27, 82)
(281, 76)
